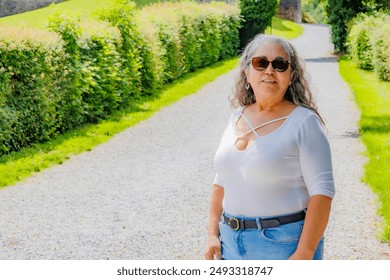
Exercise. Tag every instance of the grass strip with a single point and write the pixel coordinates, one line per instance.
(373, 99)
(284, 28)
(81, 8)
(22, 164)
(39, 18)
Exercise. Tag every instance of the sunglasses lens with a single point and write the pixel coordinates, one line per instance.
(280, 64)
(260, 63)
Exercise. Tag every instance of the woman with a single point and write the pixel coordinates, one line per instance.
(273, 189)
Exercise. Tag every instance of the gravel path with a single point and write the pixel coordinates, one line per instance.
(354, 227)
(145, 193)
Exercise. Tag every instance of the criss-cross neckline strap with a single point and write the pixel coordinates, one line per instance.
(250, 125)
(253, 129)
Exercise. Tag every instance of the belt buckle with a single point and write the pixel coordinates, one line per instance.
(234, 220)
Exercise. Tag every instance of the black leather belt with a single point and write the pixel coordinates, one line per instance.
(236, 224)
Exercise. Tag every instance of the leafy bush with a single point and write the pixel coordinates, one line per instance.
(314, 11)
(121, 14)
(164, 26)
(358, 42)
(29, 96)
(340, 12)
(7, 121)
(230, 23)
(7, 117)
(191, 35)
(85, 71)
(381, 46)
(382, 60)
(257, 15)
(94, 82)
(101, 78)
(73, 112)
(368, 43)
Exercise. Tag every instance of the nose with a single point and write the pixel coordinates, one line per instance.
(269, 69)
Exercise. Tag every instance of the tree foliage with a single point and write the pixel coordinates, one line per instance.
(340, 12)
(257, 15)
(369, 43)
(316, 9)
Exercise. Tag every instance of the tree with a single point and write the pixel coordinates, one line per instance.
(257, 16)
(340, 12)
(291, 10)
(377, 4)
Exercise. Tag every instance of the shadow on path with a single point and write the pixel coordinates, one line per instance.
(323, 59)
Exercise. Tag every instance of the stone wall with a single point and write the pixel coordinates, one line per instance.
(10, 7)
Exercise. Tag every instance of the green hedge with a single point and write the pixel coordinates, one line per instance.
(339, 13)
(368, 43)
(31, 76)
(257, 15)
(190, 35)
(84, 71)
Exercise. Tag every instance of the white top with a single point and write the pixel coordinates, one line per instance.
(278, 173)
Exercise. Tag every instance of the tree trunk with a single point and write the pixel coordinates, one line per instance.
(291, 10)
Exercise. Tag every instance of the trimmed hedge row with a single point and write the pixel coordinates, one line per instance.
(190, 35)
(368, 43)
(33, 72)
(84, 71)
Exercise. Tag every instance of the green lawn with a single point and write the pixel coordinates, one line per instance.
(373, 99)
(83, 8)
(38, 18)
(284, 28)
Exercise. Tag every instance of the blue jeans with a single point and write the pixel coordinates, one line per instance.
(277, 243)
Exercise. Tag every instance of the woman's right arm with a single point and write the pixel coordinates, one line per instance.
(214, 244)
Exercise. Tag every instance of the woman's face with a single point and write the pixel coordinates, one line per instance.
(269, 85)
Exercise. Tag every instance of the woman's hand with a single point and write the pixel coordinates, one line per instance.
(317, 216)
(214, 249)
(214, 244)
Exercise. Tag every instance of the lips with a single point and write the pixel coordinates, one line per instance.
(269, 81)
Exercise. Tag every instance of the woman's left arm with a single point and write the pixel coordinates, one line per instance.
(316, 220)
(316, 166)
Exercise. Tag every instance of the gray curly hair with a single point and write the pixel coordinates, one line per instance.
(298, 92)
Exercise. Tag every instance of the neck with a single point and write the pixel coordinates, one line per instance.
(269, 106)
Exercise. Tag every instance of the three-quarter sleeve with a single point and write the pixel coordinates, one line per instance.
(315, 157)
(232, 119)
(218, 180)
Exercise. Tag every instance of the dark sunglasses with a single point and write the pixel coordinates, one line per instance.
(261, 63)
